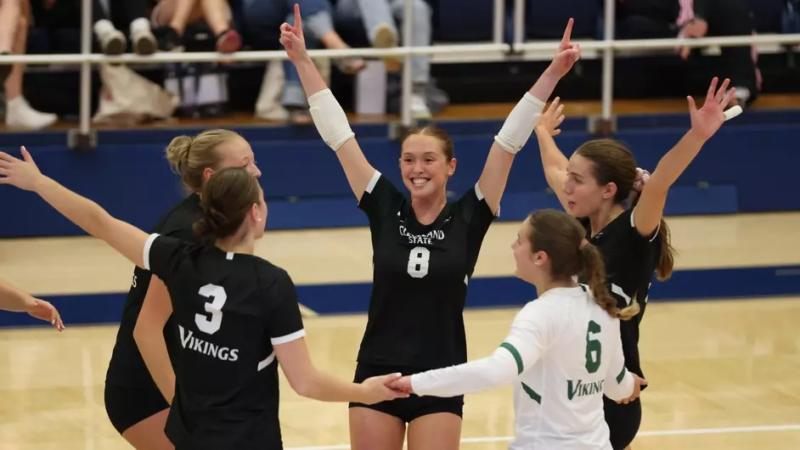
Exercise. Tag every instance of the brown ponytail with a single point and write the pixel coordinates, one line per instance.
(666, 258)
(562, 238)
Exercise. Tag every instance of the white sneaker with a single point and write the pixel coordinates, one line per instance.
(20, 115)
(112, 41)
(419, 109)
(144, 42)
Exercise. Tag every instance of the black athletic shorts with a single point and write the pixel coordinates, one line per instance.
(623, 421)
(127, 406)
(407, 409)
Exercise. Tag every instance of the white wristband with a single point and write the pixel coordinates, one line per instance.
(519, 125)
(330, 119)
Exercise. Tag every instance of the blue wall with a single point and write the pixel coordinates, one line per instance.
(749, 166)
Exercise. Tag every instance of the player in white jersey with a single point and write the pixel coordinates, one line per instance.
(563, 351)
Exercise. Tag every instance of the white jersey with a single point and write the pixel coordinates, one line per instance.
(562, 354)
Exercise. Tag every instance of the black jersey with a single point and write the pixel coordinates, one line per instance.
(630, 261)
(127, 367)
(229, 310)
(420, 277)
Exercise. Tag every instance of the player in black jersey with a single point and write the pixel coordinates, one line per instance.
(594, 185)
(136, 401)
(14, 300)
(424, 250)
(234, 313)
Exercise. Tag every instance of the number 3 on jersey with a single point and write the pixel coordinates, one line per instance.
(418, 262)
(217, 296)
(593, 347)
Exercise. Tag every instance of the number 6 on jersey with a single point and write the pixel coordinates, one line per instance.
(418, 262)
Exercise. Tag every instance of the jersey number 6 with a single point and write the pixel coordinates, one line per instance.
(593, 347)
(210, 325)
(418, 262)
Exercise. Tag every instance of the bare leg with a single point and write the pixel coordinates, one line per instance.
(149, 433)
(9, 14)
(374, 430)
(217, 14)
(440, 431)
(13, 84)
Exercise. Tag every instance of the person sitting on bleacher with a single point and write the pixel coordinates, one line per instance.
(172, 16)
(380, 19)
(132, 13)
(14, 19)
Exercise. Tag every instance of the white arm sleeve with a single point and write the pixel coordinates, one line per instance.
(619, 382)
(524, 345)
(330, 119)
(496, 370)
(519, 125)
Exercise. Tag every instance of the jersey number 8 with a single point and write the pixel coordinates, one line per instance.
(210, 325)
(418, 262)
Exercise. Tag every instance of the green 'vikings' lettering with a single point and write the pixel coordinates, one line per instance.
(582, 389)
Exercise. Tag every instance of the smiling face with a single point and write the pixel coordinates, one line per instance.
(425, 167)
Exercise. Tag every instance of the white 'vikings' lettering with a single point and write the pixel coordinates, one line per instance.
(424, 239)
(190, 342)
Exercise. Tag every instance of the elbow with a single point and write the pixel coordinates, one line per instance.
(303, 385)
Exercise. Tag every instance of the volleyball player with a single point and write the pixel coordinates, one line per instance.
(234, 313)
(593, 185)
(137, 401)
(14, 300)
(424, 250)
(563, 351)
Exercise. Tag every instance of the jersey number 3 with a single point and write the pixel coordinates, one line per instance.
(217, 296)
(593, 347)
(418, 260)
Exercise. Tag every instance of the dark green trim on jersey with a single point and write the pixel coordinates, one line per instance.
(621, 375)
(531, 393)
(515, 354)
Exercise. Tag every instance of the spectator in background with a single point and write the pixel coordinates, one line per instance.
(14, 20)
(381, 20)
(650, 19)
(128, 13)
(260, 20)
(172, 16)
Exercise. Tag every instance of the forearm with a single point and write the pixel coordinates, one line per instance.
(81, 211)
(545, 85)
(310, 77)
(474, 376)
(153, 349)
(554, 163)
(15, 300)
(674, 162)
(324, 387)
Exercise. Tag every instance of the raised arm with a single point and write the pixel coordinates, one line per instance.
(328, 115)
(122, 236)
(307, 381)
(554, 162)
(705, 122)
(519, 125)
(15, 300)
(149, 336)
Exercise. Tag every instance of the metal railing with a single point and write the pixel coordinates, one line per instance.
(495, 50)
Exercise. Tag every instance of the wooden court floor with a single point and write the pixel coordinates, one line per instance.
(724, 374)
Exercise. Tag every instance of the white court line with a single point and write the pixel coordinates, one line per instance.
(678, 432)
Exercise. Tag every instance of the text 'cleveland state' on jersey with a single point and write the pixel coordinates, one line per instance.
(420, 277)
(229, 309)
(126, 367)
(630, 261)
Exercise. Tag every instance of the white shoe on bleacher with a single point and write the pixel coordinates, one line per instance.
(20, 115)
(419, 109)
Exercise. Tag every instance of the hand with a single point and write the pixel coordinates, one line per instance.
(695, 28)
(638, 382)
(551, 118)
(23, 174)
(642, 176)
(292, 38)
(567, 55)
(402, 385)
(707, 120)
(43, 310)
(378, 389)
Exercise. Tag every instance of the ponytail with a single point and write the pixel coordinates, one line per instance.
(666, 258)
(594, 272)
